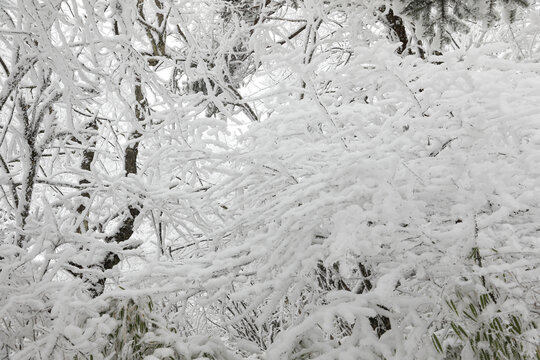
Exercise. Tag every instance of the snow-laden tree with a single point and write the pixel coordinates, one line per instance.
(105, 134)
(276, 179)
(385, 208)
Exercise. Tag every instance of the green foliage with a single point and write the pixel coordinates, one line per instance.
(142, 332)
(135, 320)
(479, 323)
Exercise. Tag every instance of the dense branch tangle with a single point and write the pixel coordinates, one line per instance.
(116, 145)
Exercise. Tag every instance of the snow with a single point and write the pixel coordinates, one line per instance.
(300, 184)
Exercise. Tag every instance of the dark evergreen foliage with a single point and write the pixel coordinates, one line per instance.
(438, 19)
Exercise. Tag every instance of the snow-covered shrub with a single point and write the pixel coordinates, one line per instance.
(253, 179)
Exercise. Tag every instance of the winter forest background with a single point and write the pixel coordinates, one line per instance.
(269, 179)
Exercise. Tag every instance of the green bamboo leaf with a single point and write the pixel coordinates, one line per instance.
(452, 306)
(473, 310)
(456, 330)
(469, 316)
(463, 331)
(515, 324)
(437, 343)
(484, 301)
(498, 324)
